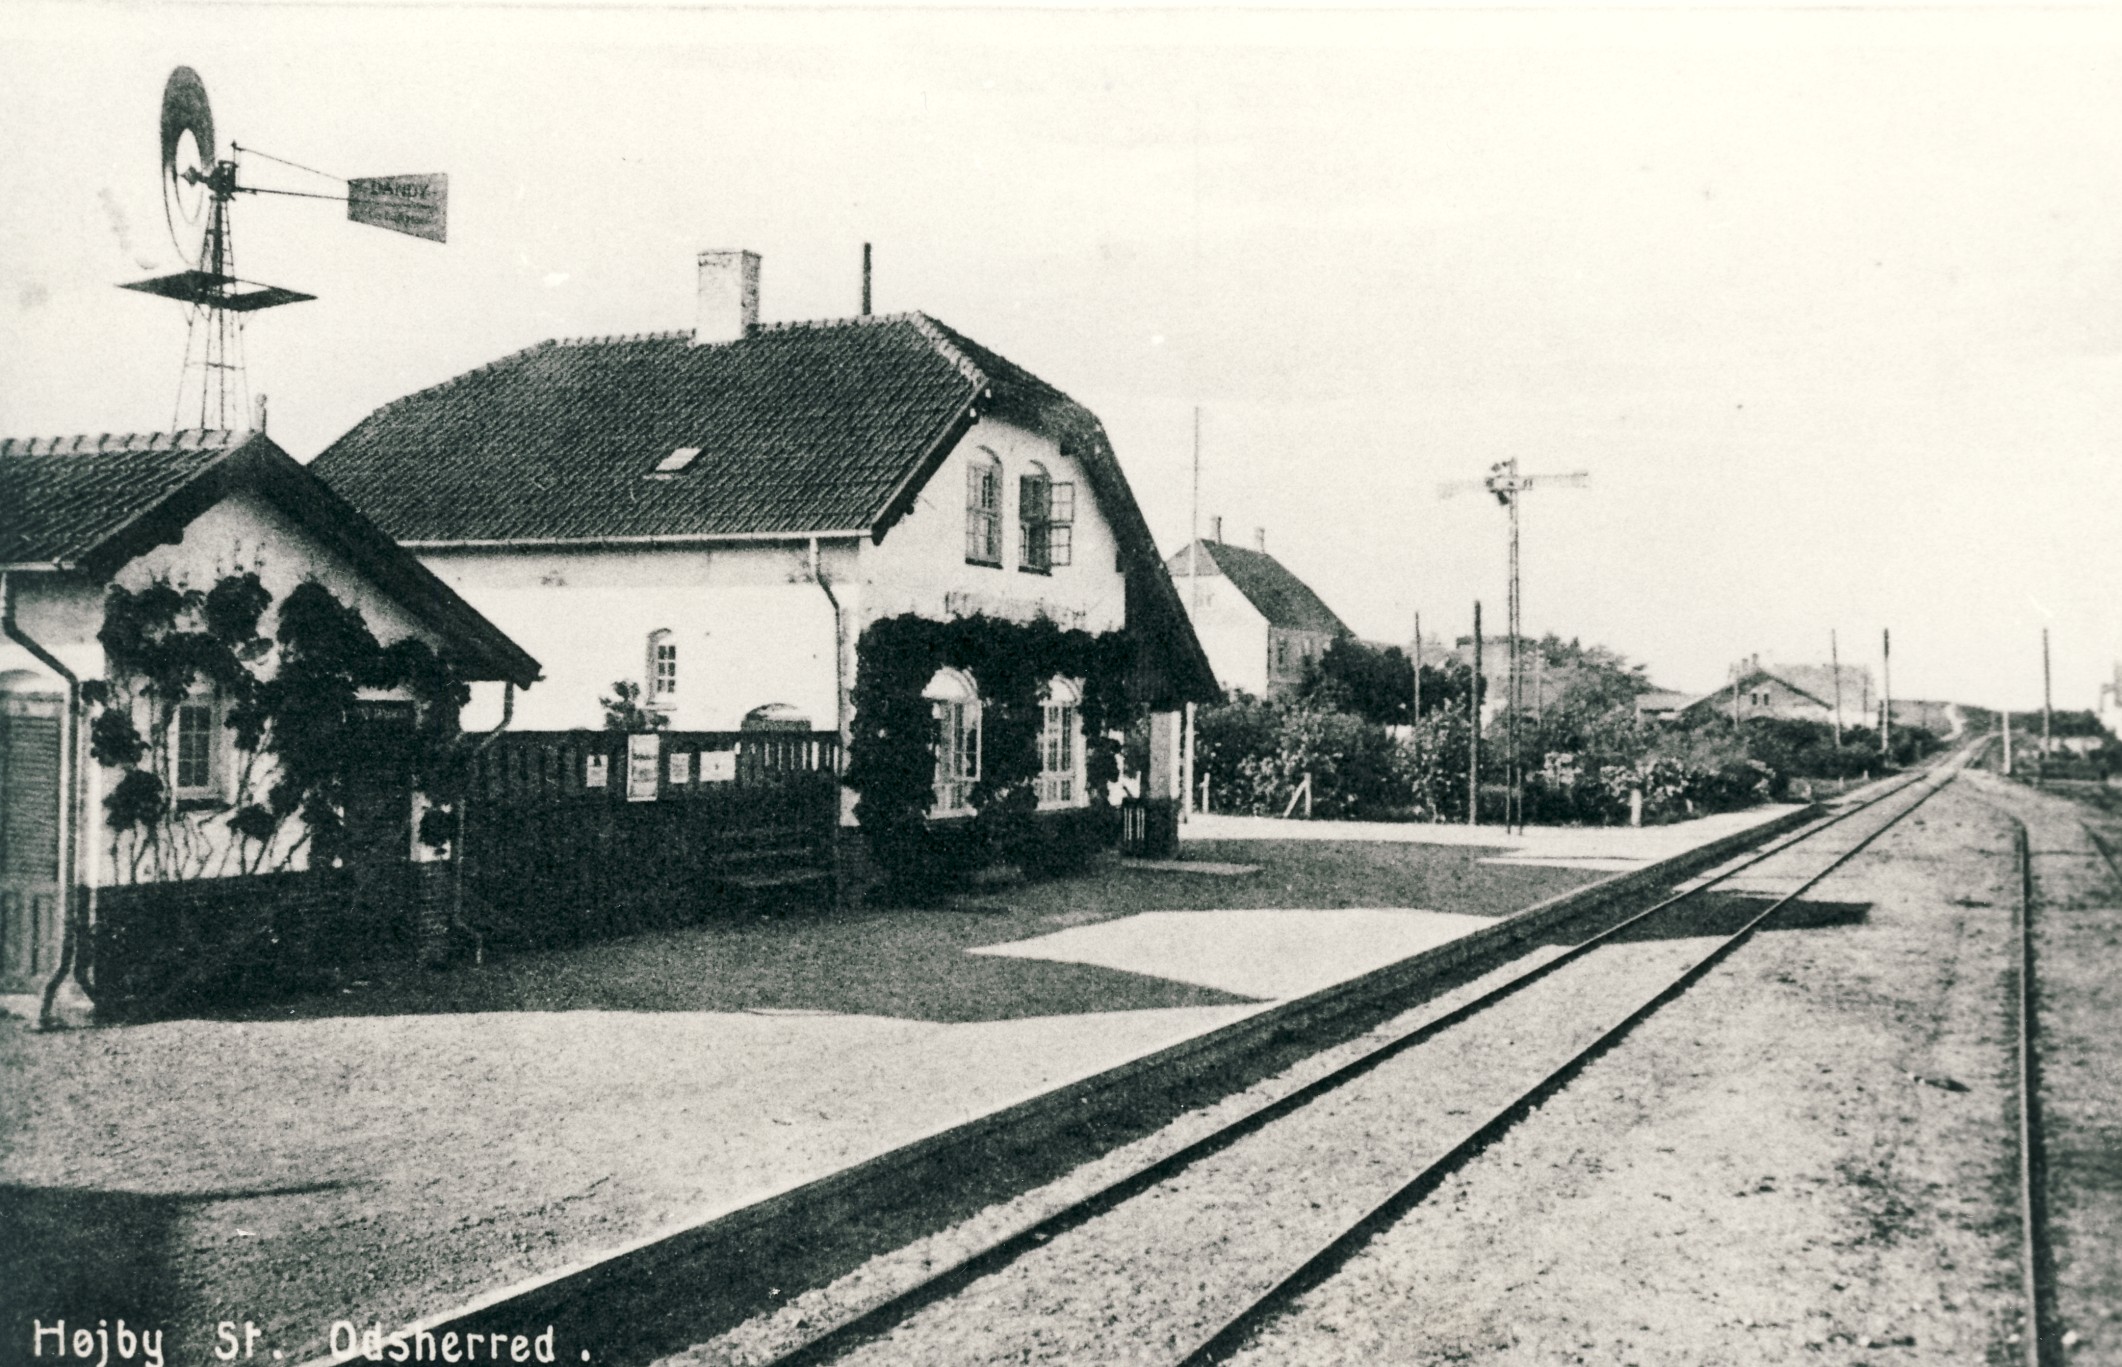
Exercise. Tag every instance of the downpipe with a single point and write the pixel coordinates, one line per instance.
(464, 802)
(72, 931)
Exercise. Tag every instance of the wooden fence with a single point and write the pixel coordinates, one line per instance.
(579, 835)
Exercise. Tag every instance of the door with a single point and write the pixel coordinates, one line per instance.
(32, 924)
(379, 835)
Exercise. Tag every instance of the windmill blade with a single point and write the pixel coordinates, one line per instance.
(1453, 488)
(187, 158)
(1575, 479)
(417, 206)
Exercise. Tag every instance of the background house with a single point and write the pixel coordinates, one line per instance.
(1260, 624)
(717, 515)
(1792, 693)
(78, 515)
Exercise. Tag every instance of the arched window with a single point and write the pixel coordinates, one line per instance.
(661, 686)
(983, 508)
(955, 699)
(775, 716)
(1060, 746)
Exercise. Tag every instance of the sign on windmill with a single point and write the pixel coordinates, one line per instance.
(417, 206)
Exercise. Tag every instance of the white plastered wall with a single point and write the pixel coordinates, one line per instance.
(751, 625)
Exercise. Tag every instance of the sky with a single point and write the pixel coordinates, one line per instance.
(1827, 302)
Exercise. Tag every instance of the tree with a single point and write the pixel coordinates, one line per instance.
(1378, 684)
(623, 711)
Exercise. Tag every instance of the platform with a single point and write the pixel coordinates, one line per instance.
(417, 1145)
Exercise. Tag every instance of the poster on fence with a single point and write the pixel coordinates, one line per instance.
(718, 766)
(642, 753)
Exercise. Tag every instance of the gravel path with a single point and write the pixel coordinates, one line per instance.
(1758, 1175)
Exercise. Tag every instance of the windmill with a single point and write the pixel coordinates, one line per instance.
(1504, 481)
(199, 188)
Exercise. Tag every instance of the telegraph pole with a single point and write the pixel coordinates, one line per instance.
(2007, 743)
(1415, 717)
(2042, 769)
(1886, 700)
(1473, 734)
(1834, 656)
(1193, 584)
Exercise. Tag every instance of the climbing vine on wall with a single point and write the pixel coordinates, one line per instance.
(892, 755)
(291, 703)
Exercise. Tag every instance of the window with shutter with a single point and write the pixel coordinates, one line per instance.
(1033, 489)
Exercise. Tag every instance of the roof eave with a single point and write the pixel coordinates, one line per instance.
(557, 543)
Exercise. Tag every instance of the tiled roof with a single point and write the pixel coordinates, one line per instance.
(62, 497)
(801, 428)
(94, 503)
(1282, 598)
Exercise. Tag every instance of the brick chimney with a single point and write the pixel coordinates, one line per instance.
(1260, 540)
(1215, 534)
(729, 297)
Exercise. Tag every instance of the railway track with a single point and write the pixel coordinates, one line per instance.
(1590, 994)
(2041, 1343)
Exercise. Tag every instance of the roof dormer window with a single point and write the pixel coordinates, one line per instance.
(677, 460)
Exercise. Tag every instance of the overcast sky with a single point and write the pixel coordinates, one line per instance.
(1828, 303)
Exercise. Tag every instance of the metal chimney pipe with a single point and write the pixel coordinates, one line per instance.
(1215, 530)
(1260, 540)
(865, 280)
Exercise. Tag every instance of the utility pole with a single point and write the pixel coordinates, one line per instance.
(1415, 718)
(1509, 487)
(1834, 666)
(2007, 744)
(1473, 734)
(2042, 769)
(1193, 586)
(1885, 697)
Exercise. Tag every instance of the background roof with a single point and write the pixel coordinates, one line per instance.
(1284, 599)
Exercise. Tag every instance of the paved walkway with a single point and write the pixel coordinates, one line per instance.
(1615, 848)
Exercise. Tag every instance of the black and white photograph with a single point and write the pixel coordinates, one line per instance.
(693, 685)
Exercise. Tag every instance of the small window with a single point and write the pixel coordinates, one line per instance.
(662, 669)
(194, 744)
(983, 509)
(676, 460)
(955, 701)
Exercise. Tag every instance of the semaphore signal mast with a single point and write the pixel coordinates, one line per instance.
(1504, 481)
(199, 188)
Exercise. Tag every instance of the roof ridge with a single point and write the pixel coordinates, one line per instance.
(510, 359)
(182, 439)
(950, 351)
(854, 320)
(616, 339)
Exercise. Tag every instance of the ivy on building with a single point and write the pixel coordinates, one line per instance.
(292, 702)
(892, 752)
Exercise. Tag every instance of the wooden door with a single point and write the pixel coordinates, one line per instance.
(32, 921)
